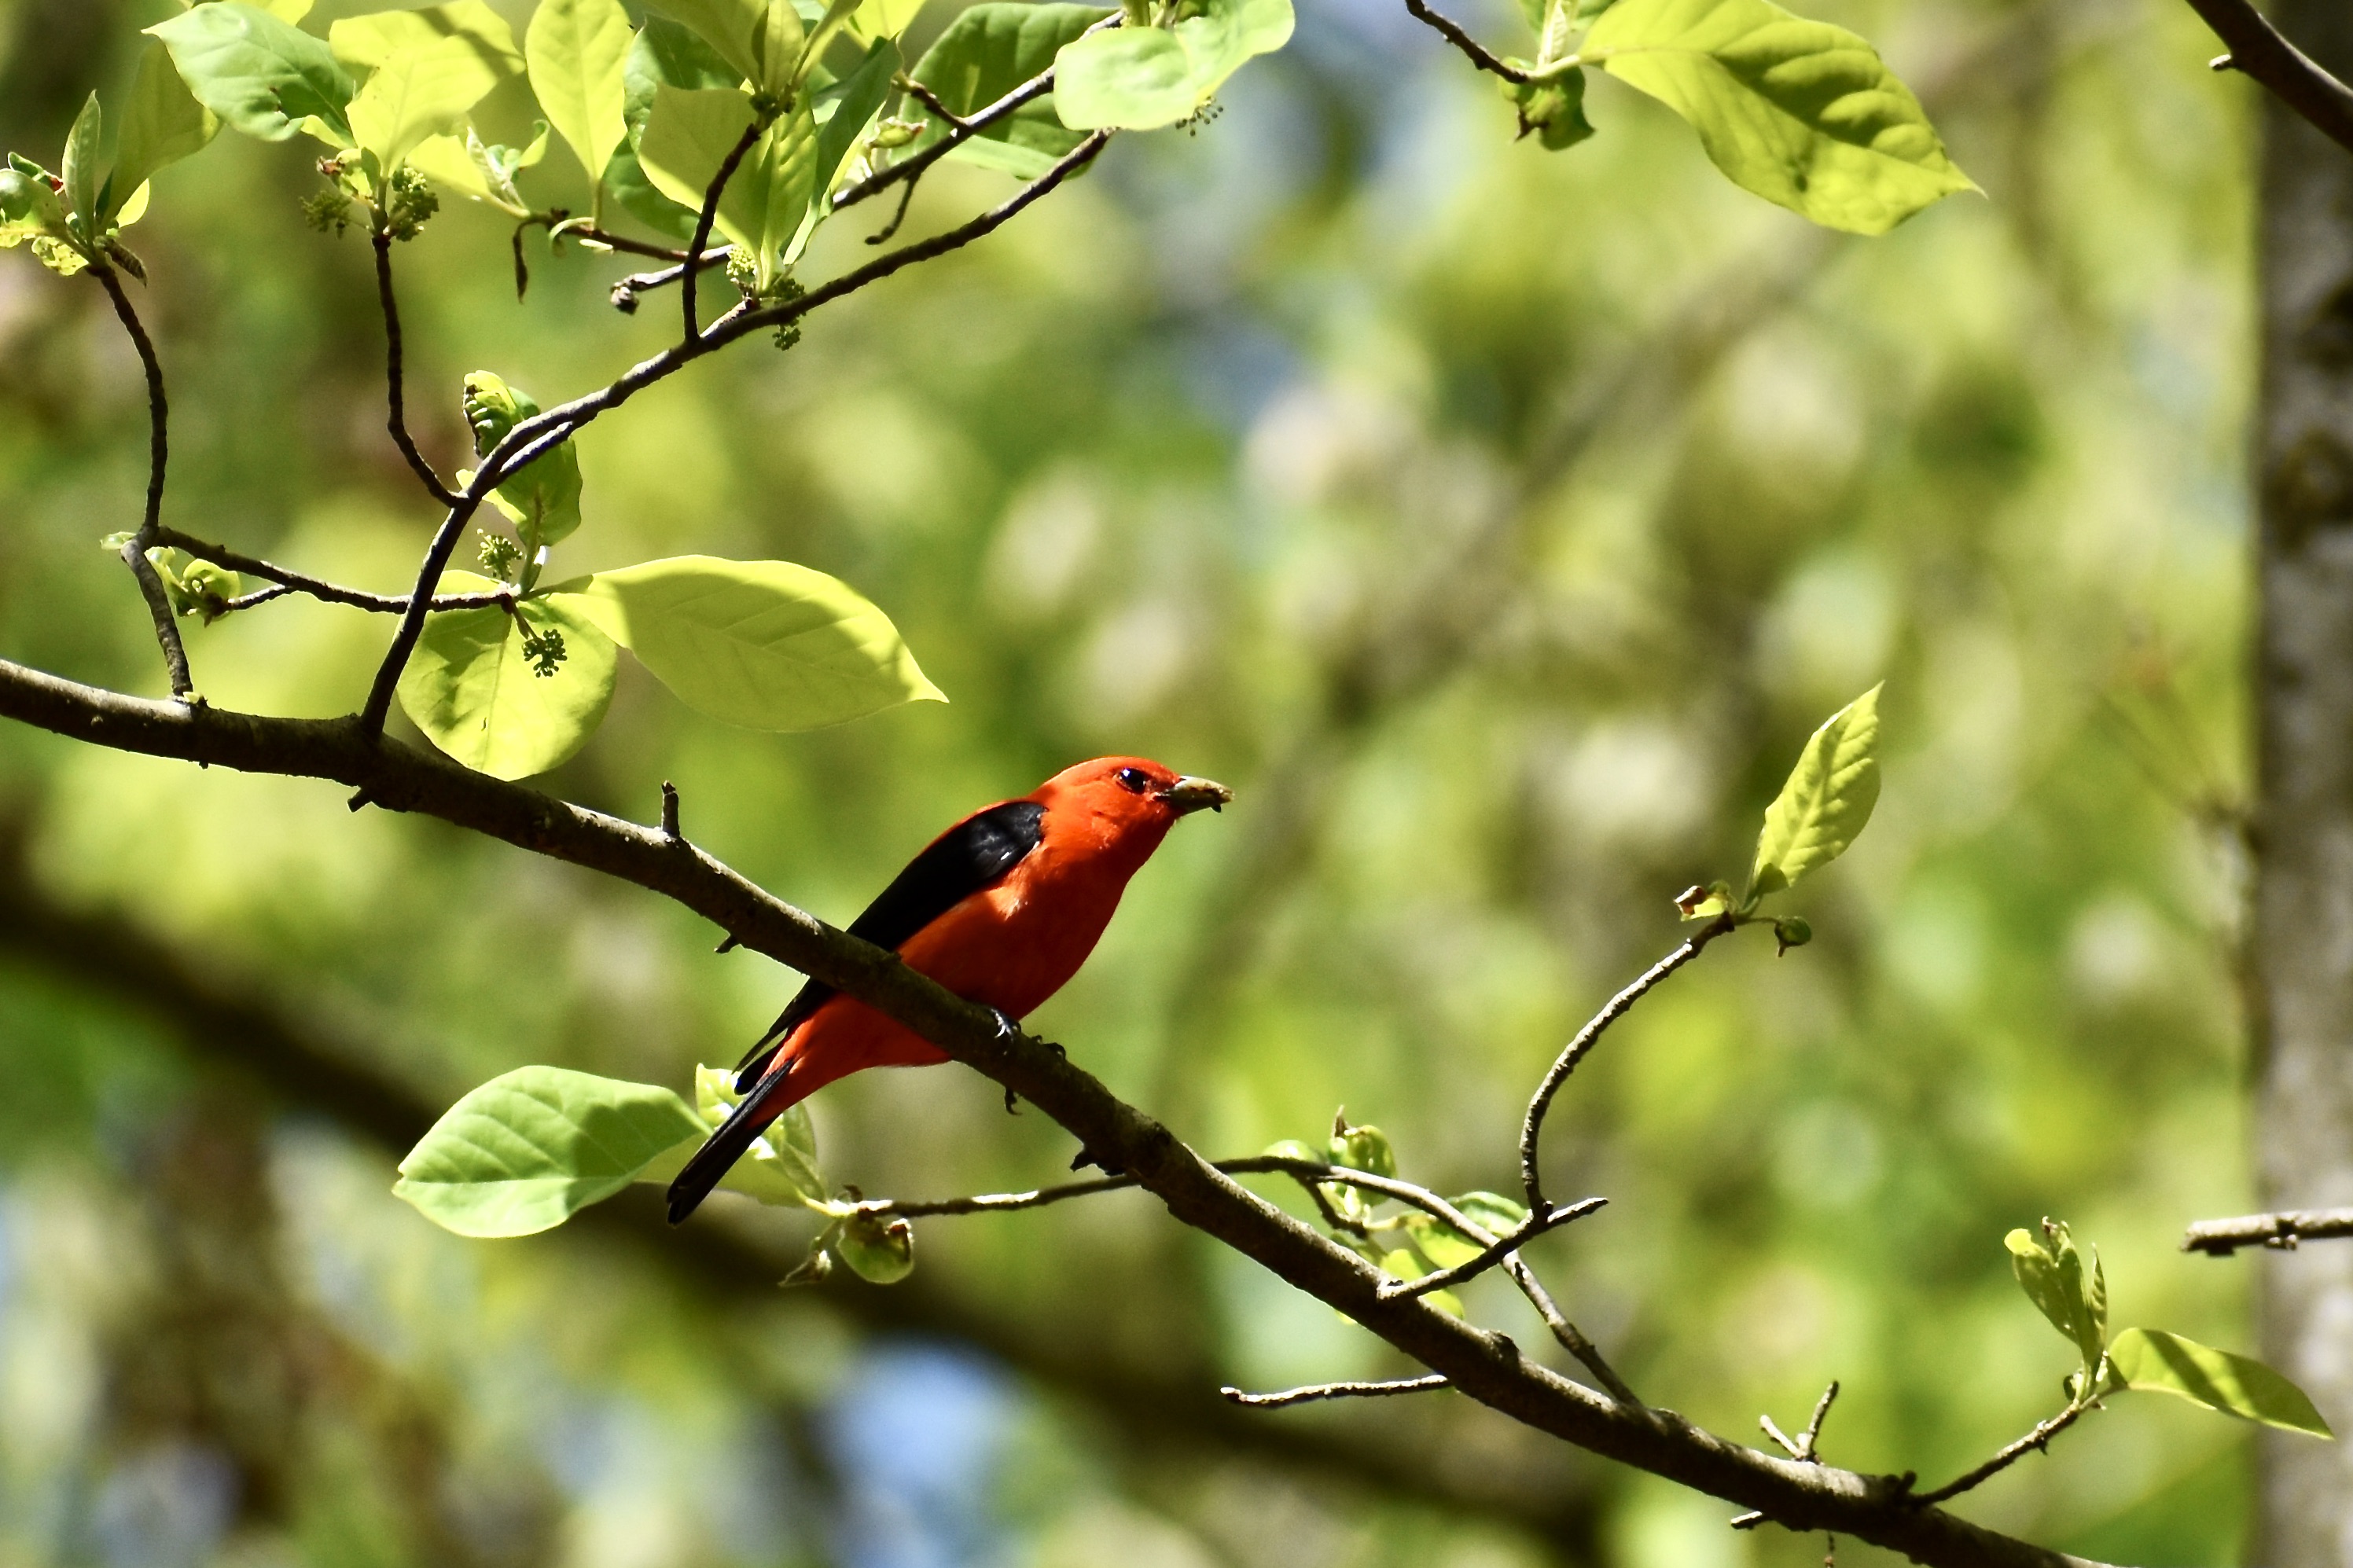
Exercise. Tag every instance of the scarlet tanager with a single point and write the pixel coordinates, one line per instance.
(1001, 909)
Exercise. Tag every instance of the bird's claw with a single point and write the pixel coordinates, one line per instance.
(1011, 1108)
(1060, 1054)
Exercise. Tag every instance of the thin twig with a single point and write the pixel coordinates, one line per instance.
(940, 110)
(669, 814)
(159, 451)
(396, 420)
(626, 290)
(1527, 1230)
(1453, 33)
(710, 214)
(2034, 1442)
(1801, 1446)
(1315, 1390)
(605, 238)
(291, 581)
(971, 125)
(2221, 1237)
(1572, 1337)
(906, 200)
(2258, 51)
(1691, 947)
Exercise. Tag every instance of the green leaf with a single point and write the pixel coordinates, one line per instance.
(1826, 800)
(483, 174)
(850, 107)
(1403, 1264)
(578, 51)
(735, 28)
(544, 500)
(986, 53)
(880, 20)
(1802, 113)
(473, 689)
(418, 92)
(1139, 77)
(764, 644)
(667, 53)
(1446, 1247)
(1364, 1148)
(260, 74)
(687, 138)
(879, 1248)
(161, 124)
(1553, 110)
(781, 1165)
(2053, 1279)
(373, 41)
(530, 1148)
(80, 169)
(2234, 1384)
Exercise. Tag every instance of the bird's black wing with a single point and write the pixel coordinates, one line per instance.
(974, 854)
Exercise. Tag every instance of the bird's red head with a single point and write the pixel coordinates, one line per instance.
(1125, 798)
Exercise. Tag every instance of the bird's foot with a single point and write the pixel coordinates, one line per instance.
(1011, 1108)
(1060, 1054)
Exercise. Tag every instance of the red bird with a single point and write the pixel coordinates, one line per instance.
(1001, 909)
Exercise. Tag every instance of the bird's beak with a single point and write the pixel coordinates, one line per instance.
(1190, 794)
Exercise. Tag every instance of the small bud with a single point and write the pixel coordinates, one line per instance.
(880, 1248)
(1364, 1148)
(543, 650)
(493, 408)
(328, 210)
(499, 553)
(1791, 931)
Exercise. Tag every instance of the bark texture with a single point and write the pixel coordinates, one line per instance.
(2303, 916)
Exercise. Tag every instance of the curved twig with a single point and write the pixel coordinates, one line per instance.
(159, 451)
(1532, 1130)
(2258, 51)
(1453, 33)
(288, 581)
(397, 420)
(2034, 1442)
(709, 215)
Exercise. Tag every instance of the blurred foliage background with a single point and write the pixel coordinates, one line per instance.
(1496, 521)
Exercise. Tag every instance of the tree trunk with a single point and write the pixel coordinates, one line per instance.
(2303, 897)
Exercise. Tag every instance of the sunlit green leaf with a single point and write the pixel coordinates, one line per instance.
(1364, 1148)
(878, 19)
(1404, 1264)
(79, 170)
(478, 694)
(1446, 1247)
(1826, 800)
(420, 91)
(1139, 77)
(665, 52)
(578, 51)
(687, 138)
(2052, 1276)
(371, 42)
(986, 52)
(257, 73)
(162, 123)
(733, 28)
(2233, 1384)
(781, 1165)
(848, 109)
(765, 644)
(1802, 113)
(533, 1147)
(879, 1248)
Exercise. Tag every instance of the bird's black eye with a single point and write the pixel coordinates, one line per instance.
(1135, 781)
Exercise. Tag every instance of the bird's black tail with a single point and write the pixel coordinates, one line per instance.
(723, 1149)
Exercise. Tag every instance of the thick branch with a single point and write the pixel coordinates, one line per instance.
(1486, 1367)
(1617, 1007)
(226, 1021)
(159, 451)
(395, 417)
(531, 437)
(2295, 77)
(2221, 1237)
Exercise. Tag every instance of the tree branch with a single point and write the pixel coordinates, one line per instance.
(531, 437)
(226, 1022)
(1483, 1364)
(1453, 33)
(159, 451)
(1617, 1007)
(709, 215)
(626, 290)
(395, 418)
(1527, 1230)
(2259, 51)
(290, 581)
(2221, 1237)
(2034, 1442)
(1315, 1390)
